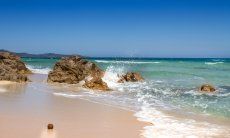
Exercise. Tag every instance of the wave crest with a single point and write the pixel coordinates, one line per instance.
(213, 63)
(38, 70)
(127, 62)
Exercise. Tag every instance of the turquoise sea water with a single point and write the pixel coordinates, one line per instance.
(170, 86)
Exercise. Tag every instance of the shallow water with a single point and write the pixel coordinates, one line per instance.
(168, 98)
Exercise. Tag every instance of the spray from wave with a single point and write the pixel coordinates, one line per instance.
(111, 75)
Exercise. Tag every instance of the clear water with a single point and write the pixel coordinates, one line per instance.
(169, 95)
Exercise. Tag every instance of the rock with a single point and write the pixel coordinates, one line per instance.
(50, 126)
(73, 69)
(130, 77)
(12, 68)
(207, 88)
(96, 84)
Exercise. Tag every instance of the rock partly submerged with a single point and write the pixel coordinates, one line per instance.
(96, 84)
(75, 69)
(207, 88)
(130, 77)
(12, 68)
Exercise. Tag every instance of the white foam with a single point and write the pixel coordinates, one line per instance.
(126, 62)
(213, 63)
(2, 90)
(38, 69)
(111, 76)
(66, 95)
(168, 126)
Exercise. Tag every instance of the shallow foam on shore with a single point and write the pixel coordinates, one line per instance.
(165, 125)
(4, 84)
(66, 95)
(2, 90)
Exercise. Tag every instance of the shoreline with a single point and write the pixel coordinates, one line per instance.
(26, 112)
(55, 102)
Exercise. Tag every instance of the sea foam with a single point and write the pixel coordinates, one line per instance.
(66, 95)
(163, 125)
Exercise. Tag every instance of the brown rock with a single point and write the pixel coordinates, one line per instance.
(96, 84)
(207, 88)
(73, 69)
(12, 68)
(50, 126)
(130, 77)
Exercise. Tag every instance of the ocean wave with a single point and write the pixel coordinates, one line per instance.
(38, 70)
(213, 63)
(218, 60)
(127, 62)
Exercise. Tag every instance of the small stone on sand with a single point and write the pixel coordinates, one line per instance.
(50, 126)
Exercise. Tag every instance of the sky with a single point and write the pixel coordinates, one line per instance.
(127, 28)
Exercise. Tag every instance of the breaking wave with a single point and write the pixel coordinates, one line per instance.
(213, 63)
(127, 62)
(38, 69)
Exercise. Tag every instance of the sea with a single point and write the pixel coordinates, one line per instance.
(168, 99)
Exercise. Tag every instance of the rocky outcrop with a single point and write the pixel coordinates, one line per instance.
(75, 69)
(130, 77)
(96, 84)
(207, 88)
(12, 68)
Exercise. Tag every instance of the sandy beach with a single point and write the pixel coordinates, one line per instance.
(25, 113)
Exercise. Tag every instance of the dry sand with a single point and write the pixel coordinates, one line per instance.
(25, 113)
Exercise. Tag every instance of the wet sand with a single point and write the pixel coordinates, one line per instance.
(25, 113)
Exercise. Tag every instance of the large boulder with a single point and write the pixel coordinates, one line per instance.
(12, 68)
(130, 77)
(96, 84)
(73, 70)
(207, 88)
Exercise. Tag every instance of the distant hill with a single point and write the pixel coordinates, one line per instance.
(45, 55)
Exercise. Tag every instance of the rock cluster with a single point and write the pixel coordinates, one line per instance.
(75, 69)
(12, 68)
(130, 77)
(207, 88)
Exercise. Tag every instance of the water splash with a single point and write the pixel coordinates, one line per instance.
(111, 76)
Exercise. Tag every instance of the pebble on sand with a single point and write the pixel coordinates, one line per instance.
(50, 126)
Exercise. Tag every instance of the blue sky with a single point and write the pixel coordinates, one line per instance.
(145, 28)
